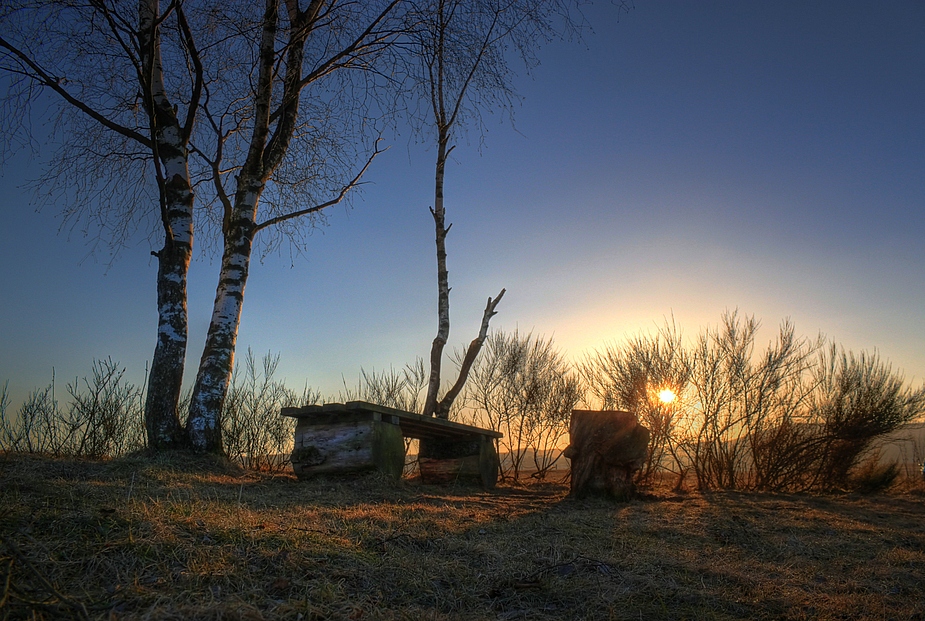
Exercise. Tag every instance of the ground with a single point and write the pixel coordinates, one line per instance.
(141, 538)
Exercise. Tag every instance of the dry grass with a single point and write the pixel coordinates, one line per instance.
(138, 538)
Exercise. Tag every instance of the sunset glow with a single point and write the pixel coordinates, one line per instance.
(667, 396)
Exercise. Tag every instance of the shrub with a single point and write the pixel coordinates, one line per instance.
(35, 429)
(402, 390)
(858, 399)
(795, 416)
(522, 386)
(750, 434)
(254, 433)
(103, 418)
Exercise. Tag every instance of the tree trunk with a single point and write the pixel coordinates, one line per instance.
(204, 426)
(265, 152)
(170, 158)
(432, 406)
(472, 352)
(162, 419)
(443, 282)
(606, 449)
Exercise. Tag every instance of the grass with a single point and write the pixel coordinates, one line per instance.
(192, 538)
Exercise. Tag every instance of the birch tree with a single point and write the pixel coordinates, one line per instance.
(463, 50)
(121, 83)
(280, 137)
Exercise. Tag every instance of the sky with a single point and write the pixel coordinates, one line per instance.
(684, 159)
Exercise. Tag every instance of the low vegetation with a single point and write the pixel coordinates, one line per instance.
(525, 388)
(801, 415)
(193, 538)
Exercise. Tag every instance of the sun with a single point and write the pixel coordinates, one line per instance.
(667, 395)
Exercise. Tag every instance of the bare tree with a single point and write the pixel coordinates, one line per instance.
(122, 82)
(266, 111)
(463, 51)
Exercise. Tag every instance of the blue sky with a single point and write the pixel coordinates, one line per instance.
(688, 158)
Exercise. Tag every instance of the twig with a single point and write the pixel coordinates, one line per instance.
(131, 486)
(79, 609)
(6, 583)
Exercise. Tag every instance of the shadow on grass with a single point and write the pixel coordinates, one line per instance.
(139, 538)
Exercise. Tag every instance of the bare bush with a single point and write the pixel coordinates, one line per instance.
(635, 377)
(748, 433)
(103, 418)
(402, 390)
(858, 399)
(255, 434)
(105, 414)
(523, 387)
(35, 429)
(795, 416)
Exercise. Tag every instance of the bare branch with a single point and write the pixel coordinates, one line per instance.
(190, 42)
(343, 193)
(41, 77)
(358, 44)
(472, 352)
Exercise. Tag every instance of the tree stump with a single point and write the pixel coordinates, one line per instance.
(606, 449)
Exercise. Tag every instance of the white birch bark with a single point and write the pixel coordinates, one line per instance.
(345, 35)
(214, 376)
(170, 152)
(204, 425)
(443, 283)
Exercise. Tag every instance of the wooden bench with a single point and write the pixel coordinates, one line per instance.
(355, 436)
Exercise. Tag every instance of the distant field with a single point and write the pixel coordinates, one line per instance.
(906, 446)
(142, 539)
